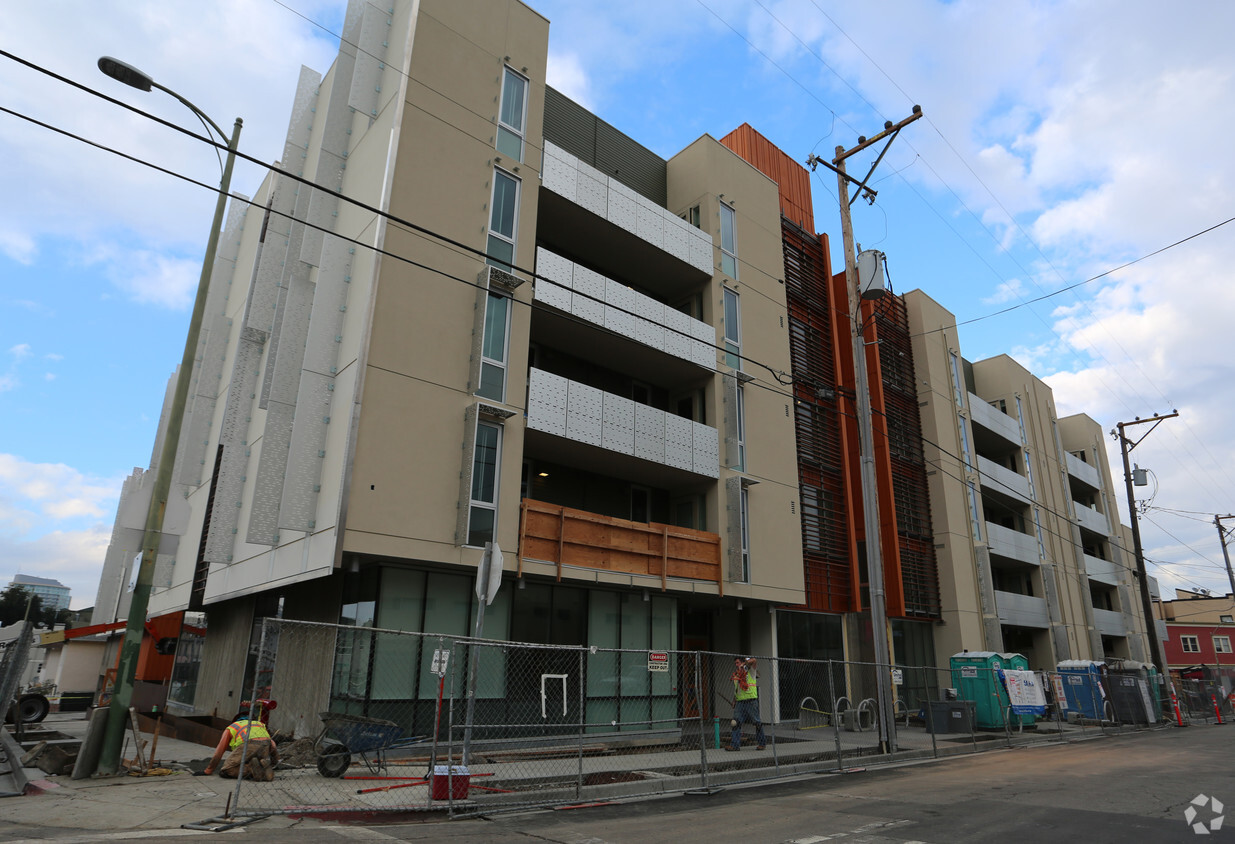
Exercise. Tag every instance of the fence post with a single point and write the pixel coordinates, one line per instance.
(703, 752)
(834, 714)
(582, 719)
(257, 674)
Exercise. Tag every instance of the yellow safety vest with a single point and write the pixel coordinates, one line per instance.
(257, 728)
(751, 691)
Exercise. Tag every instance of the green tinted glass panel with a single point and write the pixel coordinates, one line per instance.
(484, 463)
(495, 328)
(505, 194)
(492, 382)
(508, 143)
(501, 253)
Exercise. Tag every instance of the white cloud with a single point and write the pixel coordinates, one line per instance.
(566, 73)
(211, 53)
(19, 246)
(55, 522)
(1011, 290)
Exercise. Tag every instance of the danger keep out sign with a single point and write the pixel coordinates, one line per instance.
(658, 661)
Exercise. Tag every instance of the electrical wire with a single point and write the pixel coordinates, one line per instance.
(778, 375)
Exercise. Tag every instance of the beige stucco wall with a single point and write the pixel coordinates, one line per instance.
(933, 331)
(405, 495)
(699, 175)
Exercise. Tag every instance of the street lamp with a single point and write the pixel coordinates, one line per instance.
(122, 695)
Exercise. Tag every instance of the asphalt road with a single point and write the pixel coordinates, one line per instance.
(1130, 788)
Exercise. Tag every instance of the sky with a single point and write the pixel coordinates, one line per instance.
(1060, 142)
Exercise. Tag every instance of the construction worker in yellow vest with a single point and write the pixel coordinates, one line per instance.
(260, 757)
(745, 702)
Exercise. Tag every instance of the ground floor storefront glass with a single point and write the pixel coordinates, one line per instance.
(388, 677)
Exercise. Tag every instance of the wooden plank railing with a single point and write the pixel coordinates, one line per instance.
(568, 537)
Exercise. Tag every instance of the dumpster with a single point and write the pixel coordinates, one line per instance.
(949, 716)
(1082, 686)
(976, 675)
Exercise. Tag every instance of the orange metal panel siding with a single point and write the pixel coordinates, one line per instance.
(790, 176)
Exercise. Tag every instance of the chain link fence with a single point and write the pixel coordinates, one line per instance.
(392, 726)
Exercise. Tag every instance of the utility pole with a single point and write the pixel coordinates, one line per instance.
(870, 496)
(1226, 555)
(1125, 448)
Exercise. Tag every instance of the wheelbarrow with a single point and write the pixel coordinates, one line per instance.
(344, 736)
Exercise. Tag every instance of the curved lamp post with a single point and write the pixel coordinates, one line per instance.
(122, 695)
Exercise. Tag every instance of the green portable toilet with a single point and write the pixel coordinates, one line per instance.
(975, 675)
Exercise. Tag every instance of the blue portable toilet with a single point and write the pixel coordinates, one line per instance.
(1082, 686)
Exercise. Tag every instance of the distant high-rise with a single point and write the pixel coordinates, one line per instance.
(52, 593)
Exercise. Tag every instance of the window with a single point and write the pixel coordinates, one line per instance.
(493, 348)
(1222, 644)
(973, 513)
(513, 115)
(502, 219)
(482, 518)
(1191, 644)
(740, 434)
(966, 451)
(745, 516)
(957, 381)
(1020, 419)
(733, 330)
(728, 242)
(692, 216)
(1226, 619)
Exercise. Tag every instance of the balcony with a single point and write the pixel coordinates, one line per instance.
(621, 228)
(1021, 610)
(1103, 571)
(1012, 544)
(1082, 471)
(998, 480)
(1109, 623)
(1091, 520)
(995, 421)
(576, 538)
(613, 424)
(643, 322)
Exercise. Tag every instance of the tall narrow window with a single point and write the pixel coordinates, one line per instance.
(733, 330)
(728, 242)
(973, 513)
(503, 218)
(513, 115)
(958, 383)
(966, 451)
(745, 504)
(482, 518)
(1020, 417)
(493, 348)
(740, 434)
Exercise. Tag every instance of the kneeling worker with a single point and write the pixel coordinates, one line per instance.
(260, 759)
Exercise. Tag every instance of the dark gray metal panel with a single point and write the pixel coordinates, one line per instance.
(595, 142)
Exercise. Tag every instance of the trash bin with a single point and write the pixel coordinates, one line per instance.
(975, 674)
(949, 716)
(1082, 687)
(450, 782)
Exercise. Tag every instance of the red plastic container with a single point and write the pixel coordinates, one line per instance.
(449, 783)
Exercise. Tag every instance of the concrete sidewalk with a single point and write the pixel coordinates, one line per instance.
(59, 806)
(63, 807)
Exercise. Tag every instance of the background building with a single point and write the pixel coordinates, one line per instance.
(1033, 559)
(52, 593)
